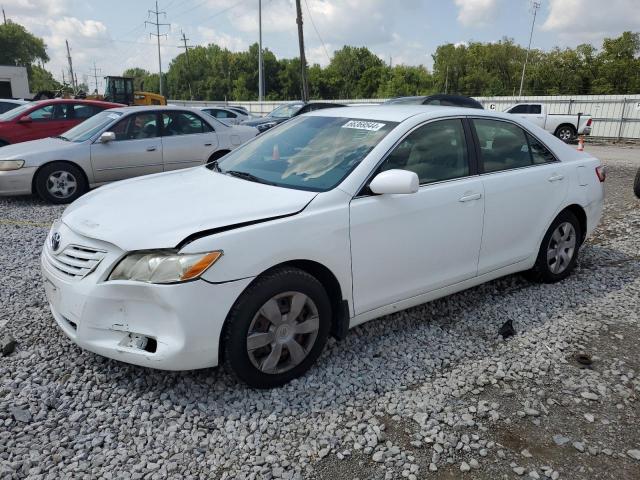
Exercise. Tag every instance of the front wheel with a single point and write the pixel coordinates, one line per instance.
(277, 328)
(60, 182)
(559, 249)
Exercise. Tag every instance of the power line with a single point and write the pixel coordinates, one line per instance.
(317, 32)
(157, 24)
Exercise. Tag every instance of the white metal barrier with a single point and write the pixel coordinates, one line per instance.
(614, 116)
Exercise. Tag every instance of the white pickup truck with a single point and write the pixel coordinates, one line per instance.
(565, 127)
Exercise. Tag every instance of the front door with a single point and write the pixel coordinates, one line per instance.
(524, 186)
(137, 149)
(187, 140)
(406, 245)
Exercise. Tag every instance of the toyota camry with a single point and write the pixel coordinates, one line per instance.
(332, 219)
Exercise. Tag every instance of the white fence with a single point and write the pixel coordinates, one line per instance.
(614, 116)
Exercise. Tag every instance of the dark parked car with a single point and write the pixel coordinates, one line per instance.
(285, 112)
(438, 99)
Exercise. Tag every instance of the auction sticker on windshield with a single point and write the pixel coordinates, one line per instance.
(362, 125)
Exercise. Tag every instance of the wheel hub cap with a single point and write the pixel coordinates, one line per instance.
(61, 184)
(561, 248)
(282, 332)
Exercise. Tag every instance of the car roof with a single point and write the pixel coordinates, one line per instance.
(52, 101)
(153, 108)
(400, 113)
(14, 100)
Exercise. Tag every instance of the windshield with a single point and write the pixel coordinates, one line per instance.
(16, 112)
(285, 111)
(307, 153)
(90, 127)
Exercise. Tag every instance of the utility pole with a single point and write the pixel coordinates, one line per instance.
(260, 64)
(303, 60)
(73, 81)
(535, 5)
(4, 16)
(186, 51)
(95, 75)
(157, 24)
(446, 81)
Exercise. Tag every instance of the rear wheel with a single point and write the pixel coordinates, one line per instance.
(566, 133)
(3, 143)
(60, 182)
(559, 249)
(277, 328)
(636, 184)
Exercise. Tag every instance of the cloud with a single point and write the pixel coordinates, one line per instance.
(583, 21)
(476, 13)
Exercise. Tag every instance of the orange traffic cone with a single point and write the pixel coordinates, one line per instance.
(581, 143)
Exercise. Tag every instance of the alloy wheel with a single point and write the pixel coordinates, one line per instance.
(61, 184)
(283, 332)
(561, 248)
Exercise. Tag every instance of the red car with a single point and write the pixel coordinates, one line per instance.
(47, 118)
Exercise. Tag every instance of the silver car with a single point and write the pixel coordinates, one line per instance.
(113, 145)
(227, 115)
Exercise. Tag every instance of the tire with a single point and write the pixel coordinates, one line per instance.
(551, 264)
(217, 156)
(3, 143)
(269, 362)
(636, 184)
(72, 182)
(566, 133)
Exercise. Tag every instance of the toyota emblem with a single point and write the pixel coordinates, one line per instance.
(55, 241)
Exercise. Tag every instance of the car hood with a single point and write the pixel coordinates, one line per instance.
(34, 148)
(162, 210)
(260, 121)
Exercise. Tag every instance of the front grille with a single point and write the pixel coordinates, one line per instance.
(74, 261)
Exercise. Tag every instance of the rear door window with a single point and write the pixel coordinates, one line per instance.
(183, 123)
(503, 145)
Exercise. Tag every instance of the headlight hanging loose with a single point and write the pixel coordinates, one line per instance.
(163, 266)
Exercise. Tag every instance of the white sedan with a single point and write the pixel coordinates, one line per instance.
(113, 145)
(328, 221)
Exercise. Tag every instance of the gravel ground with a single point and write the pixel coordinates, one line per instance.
(431, 392)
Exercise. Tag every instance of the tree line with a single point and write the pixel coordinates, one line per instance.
(475, 69)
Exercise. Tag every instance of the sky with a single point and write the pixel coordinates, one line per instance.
(113, 33)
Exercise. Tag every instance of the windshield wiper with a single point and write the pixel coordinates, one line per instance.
(62, 137)
(247, 176)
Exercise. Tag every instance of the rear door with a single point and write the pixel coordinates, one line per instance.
(524, 187)
(187, 140)
(137, 149)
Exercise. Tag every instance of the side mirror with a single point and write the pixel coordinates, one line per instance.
(25, 119)
(107, 137)
(395, 182)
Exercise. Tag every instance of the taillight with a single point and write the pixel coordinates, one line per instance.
(589, 122)
(601, 172)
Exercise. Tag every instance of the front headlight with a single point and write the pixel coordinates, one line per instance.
(163, 266)
(6, 165)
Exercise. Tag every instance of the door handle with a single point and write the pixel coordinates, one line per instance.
(471, 197)
(151, 149)
(555, 177)
(207, 144)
